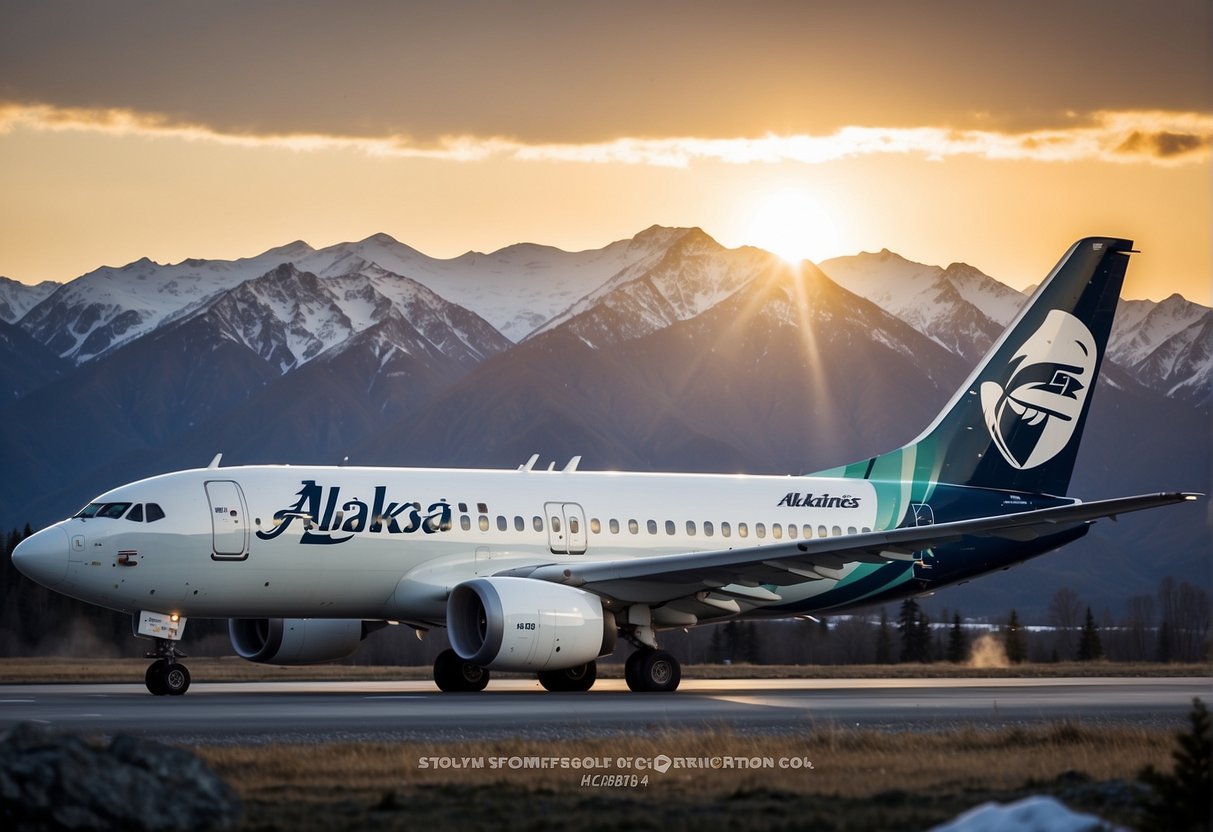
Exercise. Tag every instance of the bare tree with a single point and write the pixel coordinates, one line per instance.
(1139, 628)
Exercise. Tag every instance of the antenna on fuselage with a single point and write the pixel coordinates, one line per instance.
(215, 462)
(530, 463)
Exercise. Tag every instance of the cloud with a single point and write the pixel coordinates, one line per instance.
(1150, 137)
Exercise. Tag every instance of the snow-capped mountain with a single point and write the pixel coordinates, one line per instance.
(693, 274)
(1166, 346)
(109, 306)
(18, 298)
(517, 288)
(960, 308)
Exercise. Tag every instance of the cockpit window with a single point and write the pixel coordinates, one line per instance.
(110, 510)
(135, 515)
(154, 512)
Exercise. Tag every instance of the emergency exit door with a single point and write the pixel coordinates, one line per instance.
(566, 528)
(229, 526)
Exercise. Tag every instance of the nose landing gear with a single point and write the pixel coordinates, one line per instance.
(166, 676)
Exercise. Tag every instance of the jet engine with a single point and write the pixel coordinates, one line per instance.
(295, 640)
(521, 624)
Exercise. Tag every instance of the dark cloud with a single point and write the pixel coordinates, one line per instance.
(1164, 145)
(548, 71)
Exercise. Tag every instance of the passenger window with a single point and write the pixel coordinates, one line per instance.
(556, 525)
(777, 531)
(792, 531)
(652, 527)
(707, 528)
(463, 507)
(821, 531)
(484, 523)
(669, 526)
(866, 530)
(808, 531)
(614, 526)
(465, 523)
(725, 530)
(502, 525)
(836, 531)
(519, 523)
(743, 530)
(633, 527)
(574, 526)
(482, 508)
(760, 530)
(691, 528)
(595, 526)
(135, 515)
(537, 523)
(851, 530)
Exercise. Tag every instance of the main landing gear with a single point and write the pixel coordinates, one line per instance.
(166, 676)
(571, 679)
(652, 671)
(453, 675)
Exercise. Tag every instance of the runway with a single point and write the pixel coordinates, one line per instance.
(256, 713)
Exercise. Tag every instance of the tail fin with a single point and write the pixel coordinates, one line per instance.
(1015, 423)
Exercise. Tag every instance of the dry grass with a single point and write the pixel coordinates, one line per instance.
(859, 779)
(233, 669)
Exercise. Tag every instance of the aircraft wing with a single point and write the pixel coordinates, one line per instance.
(742, 571)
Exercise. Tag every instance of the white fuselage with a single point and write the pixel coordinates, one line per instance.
(389, 543)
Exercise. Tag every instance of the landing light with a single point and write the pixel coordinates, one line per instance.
(174, 618)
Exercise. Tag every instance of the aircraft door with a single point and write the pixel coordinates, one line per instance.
(923, 514)
(566, 528)
(574, 518)
(229, 527)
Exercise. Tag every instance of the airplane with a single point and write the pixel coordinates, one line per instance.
(544, 571)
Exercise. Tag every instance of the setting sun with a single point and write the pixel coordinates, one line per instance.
(794, 226)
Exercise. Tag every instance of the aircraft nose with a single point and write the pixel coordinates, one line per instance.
(42, 556)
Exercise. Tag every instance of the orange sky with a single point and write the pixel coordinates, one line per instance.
(945, 131)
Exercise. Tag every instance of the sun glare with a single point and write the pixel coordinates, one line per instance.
(792, 225)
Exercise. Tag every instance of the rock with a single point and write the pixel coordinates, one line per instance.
(51, 781)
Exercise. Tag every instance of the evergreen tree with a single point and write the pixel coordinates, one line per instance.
(1181, 800)
(884, 640)
(915, 632)
(957, 648)
(1013, 640)
(1089, 646)
(926, 647)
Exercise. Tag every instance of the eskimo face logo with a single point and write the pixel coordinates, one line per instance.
(1032, 419)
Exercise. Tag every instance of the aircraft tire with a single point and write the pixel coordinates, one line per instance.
(571, 679)
(652, 671)
(453, 675)
(154, 678)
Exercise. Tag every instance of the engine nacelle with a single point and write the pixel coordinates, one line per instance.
(295, 640)
(523, 624)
